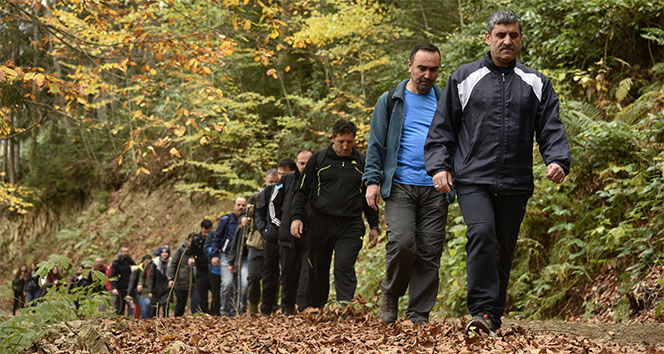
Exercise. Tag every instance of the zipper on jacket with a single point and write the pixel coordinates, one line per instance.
(504, 128)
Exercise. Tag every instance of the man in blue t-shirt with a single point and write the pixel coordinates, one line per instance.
(415, 211)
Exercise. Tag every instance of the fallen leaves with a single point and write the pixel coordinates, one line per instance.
(346, 330)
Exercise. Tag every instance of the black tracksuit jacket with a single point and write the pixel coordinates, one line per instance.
(484, 126)
(334, 187)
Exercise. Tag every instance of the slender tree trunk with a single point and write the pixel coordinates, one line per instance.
(282, 58)
(364, 92)
(11, 155)
(460, 16)
(5, 159)
(427, 32)
(33, 147)
(17, 158)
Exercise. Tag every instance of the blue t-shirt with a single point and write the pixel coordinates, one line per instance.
(410, 161)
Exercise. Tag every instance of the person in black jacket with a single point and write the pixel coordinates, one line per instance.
(32, 289)
(120, 286)
(267, 222)
(157, 283)
(181, 278)
(197, 250)
(332, 183)
(481, 140)
(18, 286)
(292, 251)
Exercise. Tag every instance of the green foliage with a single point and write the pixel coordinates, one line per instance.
(58, 305)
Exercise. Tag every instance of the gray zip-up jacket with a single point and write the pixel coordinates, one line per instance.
(485, 124)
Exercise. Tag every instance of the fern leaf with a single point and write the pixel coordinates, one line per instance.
(623, 89)
(637, 110)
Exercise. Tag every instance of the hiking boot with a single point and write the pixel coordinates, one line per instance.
(389, 308)
(253, 308)
(288, 310)
(479, 324)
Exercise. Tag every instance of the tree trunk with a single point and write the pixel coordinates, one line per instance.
(460, 16)
(5, 159)
(33, 144)
(11, 166)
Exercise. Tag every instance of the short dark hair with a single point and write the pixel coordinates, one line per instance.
(343, 126)
(287, 163)
(146, 257)
(303, 150)
(206, 224)
(503, 17)
(427, 47)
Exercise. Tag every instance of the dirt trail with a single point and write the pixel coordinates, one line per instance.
(634, 333)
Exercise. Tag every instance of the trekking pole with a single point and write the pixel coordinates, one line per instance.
(191, 277)
(238, 266)
(175, 277)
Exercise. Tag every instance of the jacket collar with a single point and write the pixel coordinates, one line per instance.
(330, 153)
(493, 67)
(400, 92)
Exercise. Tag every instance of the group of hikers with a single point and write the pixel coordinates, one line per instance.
(472, 141)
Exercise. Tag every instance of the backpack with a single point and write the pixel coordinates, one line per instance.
(108, 274)
(390, 104)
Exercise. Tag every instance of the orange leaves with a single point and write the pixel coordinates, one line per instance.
(272, 72)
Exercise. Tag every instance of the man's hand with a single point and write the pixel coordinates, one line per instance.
(115, 292)
(245, 221)
(231, 269)
(191, 261)
(442, 181)
(215, 261)
(373, 238)
(373, 196)
(170, 283)
(297, 228)
(555, 173)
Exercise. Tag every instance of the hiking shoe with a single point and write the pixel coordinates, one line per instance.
(478, 324)
(389, 308)
(253, 308)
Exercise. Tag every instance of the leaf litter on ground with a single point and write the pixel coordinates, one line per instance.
(334, 330)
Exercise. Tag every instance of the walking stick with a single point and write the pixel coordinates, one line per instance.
(238, 266)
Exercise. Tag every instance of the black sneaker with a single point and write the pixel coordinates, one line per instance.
(478, 324)
(389, 308)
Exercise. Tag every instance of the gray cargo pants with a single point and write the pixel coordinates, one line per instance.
(416, 217)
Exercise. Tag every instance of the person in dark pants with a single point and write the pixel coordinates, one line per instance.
(332, 182)
(157, 284)
(292, 251)
(214, 275)
(18, 286)
(267, 221)
(415, 211)
(121, 271)
(255, 253)
(181, 278)
(481, 140)
(197, 251)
